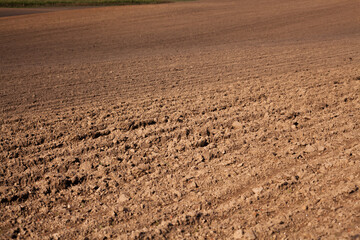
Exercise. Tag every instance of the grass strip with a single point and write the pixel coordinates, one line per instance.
(63, 3)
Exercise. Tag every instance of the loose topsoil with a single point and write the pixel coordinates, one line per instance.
(195, 120)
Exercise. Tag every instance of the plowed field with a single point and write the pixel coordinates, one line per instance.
(232, 119)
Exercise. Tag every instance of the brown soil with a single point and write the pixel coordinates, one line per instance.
(195, 120)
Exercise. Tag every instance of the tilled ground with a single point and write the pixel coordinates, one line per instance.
(197, 120)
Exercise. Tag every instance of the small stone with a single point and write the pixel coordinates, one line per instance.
(321, 148)
(236, 124)
(258, 190)
(309, 149)
(207, 155)
(123, 198)
(55, 236)
(239, 234)
(199, 157)
(250, 235)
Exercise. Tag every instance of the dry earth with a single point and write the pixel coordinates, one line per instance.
(233, 119)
